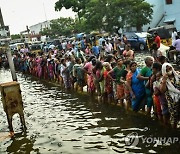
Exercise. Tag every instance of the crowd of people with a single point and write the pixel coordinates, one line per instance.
(111, 74)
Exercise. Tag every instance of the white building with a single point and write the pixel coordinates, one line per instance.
(35, 29)
(31, 34)
(164, 12)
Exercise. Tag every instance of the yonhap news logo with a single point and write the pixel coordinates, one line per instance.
(132, 139)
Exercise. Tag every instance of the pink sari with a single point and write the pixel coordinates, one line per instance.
(90, 79)
(39, 68)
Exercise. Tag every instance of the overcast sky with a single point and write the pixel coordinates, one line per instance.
(19, 13)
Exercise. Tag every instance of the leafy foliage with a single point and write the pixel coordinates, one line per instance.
(95, 14)
(78, 6)
(15, 36)
(102, 15)
(139, 14)
(60, 26)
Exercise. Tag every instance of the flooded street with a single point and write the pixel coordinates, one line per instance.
(71, 123)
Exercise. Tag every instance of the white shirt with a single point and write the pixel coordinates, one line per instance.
(173, 36)
(109, 47)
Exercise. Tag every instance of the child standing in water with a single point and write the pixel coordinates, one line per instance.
(160, 100)
(118, 72)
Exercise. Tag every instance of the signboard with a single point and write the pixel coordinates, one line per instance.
(4, 32)
(4, 38)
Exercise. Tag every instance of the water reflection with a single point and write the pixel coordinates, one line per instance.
(65, 122)
(20, 143)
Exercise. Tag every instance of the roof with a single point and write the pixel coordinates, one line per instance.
(169, 20)
(171, 26)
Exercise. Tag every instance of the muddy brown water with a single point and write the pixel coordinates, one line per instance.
(71, 123)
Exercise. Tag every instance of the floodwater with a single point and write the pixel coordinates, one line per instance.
(70, 123)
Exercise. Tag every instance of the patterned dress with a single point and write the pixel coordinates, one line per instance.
(174, 107)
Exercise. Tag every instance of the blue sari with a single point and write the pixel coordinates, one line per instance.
(138, 89)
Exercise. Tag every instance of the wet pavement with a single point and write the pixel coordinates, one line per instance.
(71, 123)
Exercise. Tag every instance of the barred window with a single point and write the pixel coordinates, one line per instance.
(168, 1)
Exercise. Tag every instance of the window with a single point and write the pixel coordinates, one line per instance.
(168, 1)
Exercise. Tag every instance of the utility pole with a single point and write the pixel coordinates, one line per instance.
(1, 19)
(5, 38)
(27, 29)
(10, 92)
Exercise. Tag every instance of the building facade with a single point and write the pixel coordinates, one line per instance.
(172, 12)
(35, 29)
(164, 12)
(31, 34)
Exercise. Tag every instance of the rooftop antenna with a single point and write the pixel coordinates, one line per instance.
(46, 23)
(45, 12)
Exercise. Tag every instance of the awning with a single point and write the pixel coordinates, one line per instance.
(169, 20)
(80, 35)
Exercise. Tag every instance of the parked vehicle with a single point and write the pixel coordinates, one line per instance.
(164, 32)
(35, 48)
(177, 55)
(16, 46)
(2, 48)
(46, 45)
(137, 40)
(164, 50)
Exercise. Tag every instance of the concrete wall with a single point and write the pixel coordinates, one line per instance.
(158, 14)
(164, 12)
(172, 11)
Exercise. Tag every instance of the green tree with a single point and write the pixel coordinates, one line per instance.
(108, 15)
(77, 6)
(58, 27)
(82, 26)
(46, 31)
(132, 13)
(95, 14)
(15, 36)
(117, 14)
(139, 14)
(62, 26)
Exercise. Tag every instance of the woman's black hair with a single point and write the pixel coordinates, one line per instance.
(108, 58)
(62, 60)
(127, 62)
(77, 60)
(113, 64)
(90, 58)
(98, 64)
(118, 59)
(162, 59)
(93, 61)
(114, 52)
(132, 63)
(157, 66)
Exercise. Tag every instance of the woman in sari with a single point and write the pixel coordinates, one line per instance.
(145, 75)
(170, 85)
(136, 86)
(118, 72)
(97, 73)
(39, 67)
(108, 82)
